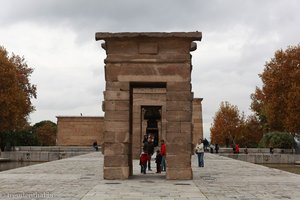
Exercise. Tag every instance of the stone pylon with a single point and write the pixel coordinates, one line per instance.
(142, 71)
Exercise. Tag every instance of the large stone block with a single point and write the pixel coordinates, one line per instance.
(148, 47)
(112, 149)
(150, 72)
(115, 105)
(186, 127)
(115, 173)
(180, 96)
(179, 105)
(116, 161)
(113, 126)
(179, 161)
(176, 137)
(117, 86)
(179, 86)
(176, 148)
(179, 173)
(117, 136)
(173, 126)
(116, 95)
(179, 116)
(116, 115)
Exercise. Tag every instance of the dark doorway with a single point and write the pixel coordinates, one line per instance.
(152, 114)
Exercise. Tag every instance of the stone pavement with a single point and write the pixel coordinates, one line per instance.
(81, 178)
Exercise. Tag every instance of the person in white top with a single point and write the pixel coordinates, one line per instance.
(199, 150)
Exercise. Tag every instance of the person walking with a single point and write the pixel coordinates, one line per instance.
(199, 149)
(163, 153)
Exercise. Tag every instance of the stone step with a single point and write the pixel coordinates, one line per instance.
(56, 148)
(4, 159)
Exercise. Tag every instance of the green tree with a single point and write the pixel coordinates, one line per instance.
(277, 102)
(277, 139)
(45, 132)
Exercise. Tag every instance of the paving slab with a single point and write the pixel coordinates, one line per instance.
(81, 177)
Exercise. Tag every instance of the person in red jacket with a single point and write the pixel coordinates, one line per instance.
(163, 152)
(237, 148)
(143, 162)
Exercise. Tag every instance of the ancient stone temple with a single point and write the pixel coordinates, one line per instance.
(148, 91)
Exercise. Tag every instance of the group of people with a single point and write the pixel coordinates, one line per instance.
(148, 151)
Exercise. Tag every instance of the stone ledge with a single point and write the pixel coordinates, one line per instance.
(107, 35)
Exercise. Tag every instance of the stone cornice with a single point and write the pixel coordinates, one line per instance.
(189, 35)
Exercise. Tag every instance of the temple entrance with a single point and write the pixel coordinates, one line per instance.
(152, 117)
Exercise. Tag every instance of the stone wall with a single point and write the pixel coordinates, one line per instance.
(73, 130)
(79, 130)
(197, 120)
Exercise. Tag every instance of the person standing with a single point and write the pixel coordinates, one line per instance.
(205, 143)
(163, 153)
(237, 148)
(217, 148)
(199, 149)
(149, 149)
(158, 159)
(143, 162)
(145, 139)
(95, 146)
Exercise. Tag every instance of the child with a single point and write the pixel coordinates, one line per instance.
(143, 162)
(158, 159)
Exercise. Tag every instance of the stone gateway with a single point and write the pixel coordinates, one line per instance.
(148, 91)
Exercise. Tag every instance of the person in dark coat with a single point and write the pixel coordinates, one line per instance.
(149, 149)
(205, 144)
(95, 146)
(217, 148)
(158, 160)
(145, 139)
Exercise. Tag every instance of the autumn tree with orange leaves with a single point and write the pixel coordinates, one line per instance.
(16, 92)
(232, 127)
(226, 123)
(277, 102)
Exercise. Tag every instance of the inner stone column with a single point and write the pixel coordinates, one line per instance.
(147, 60)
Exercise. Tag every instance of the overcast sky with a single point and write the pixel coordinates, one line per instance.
(57, 39)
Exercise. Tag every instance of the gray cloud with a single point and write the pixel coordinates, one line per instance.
(57, 39)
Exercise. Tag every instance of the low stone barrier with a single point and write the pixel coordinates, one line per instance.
(258, 150)
(45, 153)
(265, 158)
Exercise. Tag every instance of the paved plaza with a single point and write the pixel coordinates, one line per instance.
(81, 177)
